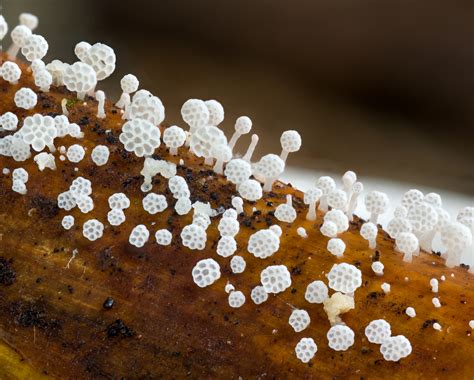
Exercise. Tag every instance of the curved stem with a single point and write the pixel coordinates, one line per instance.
(284, 155)
(248, 155)
(234, 139)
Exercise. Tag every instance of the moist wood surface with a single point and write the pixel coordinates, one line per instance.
(53, 323)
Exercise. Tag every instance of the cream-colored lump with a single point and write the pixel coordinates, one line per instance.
(378, 330)
(410, 311)
(340, 337)
(259, 295)
(154, 203)
(139, 236)
(395, 348)
(75, 153)
(163, 237)
(299, 320)
(237, 264)
(345, 278)
(336, 305)
(67, 222)
(25, 98)
(316, 292)
(206, 272)
(140, 137)
(45, 160)
(119, 201)
(93, 229)
(263, 243)
(116, 217)
(226, 246)
(305, 349)
(275, 278)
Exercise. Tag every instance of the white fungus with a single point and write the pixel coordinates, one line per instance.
(349, 178)
(377, 267)
(311, 197)
(66, 200)
(57, 68)
(145, 106)
(174, 137)
(290, 142)
(9, 121)
(204, 139)
(183, 206)
(357, 189)
(45, 160)
(19, 187)
(129, 84)
(19, 150)
(100, 155)
(102, 59)
(326, 184)
(434, 285)
(299, 320)
(258, 295)
(329, 229)
(140, 136)
(316, 292)
(18, 35)
(337, 199)
(43, 79)
(378, 330)
(250, 190)
(139, 236)
(436, 302)
(228, 226)
(93, 229)
(195, 113)
(67, 222)
(154, 203)
(336, 247)
(10, 72)
(286, 212)
(178, 187)
(29, 20)
(253, 144)
(340, 337)
(206, 272)
(84, 203)
(455, 237)
(275, 278)
(20, 174)
(243, 125)
(25, 98)
(3, 27)
(100, 97)
(269, 168)
(385, 287)
(339, 219)
(230, 213)
(369, 232)
(345, 278)
(305, 349)
(263, 243)
(236, 299)
(423, 218)
(222, 154)
(395, 348)
(163, 237)
(39, 131)
(411, 198)
(216, 112)
(407, 243)
(194, 237)
(34, 47)
(376, 203)
(437, 326)
(116, 217)
(238, 171)
(398, 225)
(119, 201)
(37, 65)
(75, 153)
(302, 232)
(237, 264)
(81, 78)
(226, 246)
(410, 312)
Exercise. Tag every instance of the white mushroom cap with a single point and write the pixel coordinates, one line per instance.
(9, 121)
(116, 217)
(455, 237)
(326, 184)
(19, 150)
(410, 312)
(216, 112)
(423, 217)
(275, 278)
(398, 225)
(258, 295)
(140, 136)
(163, 237)
(238, 171)
(84, 203)
(339, 219)
(3, 27)
(237, 264)
(10, 72)
(250, 190)
(20, 174)
(299, 320)
(195, 113)
(194, 237)
(377, 267)
(34, 47)
(119, 201)
(179, 187)
(80, 77)
(337, 199)
(201, 219)
(407, 243)
(306, 349)
(82, 50)
(80, 186)
(25, 98)
(154, 203)
(434, 199)
(44, 160)
(290, 142)
(316, 292)
(400, 212)
(129, 83)
(336, 247)
(222, 153)
(369, 231)
(92, 229)
(206, 272)
(340, 337)
(183, 206)
(270, 167)
(349, 179)
(204, 139)
(67, 222)
(29, 20)
(263, 243)
(378, 330)
(226, 246)
(102, 59)
(230, 212)
(19, 34)
(100, 155)
(286, 212)
(243, 125)
(56, 69)
(312, 195)
(236, 299)
(39, 131)
(228, 226)
(345, 278)
(139, 236)
(66, 201)
(174, 137)
(75, 153)
(376, 203)
(19, 187)
(329, 229)
(411, 198)
(395, 348)
(43, 79)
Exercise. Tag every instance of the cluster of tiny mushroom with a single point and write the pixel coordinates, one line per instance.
(416, 222)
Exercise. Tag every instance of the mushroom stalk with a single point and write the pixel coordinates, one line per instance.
(64, 107)
(100, 96)
(323, 203)
(124, 101)
(352, 206)
(268, 183)
(284, 154)
(218, 166)
(311, 215)
(248, 155)
(12, 51)
(208, 161)
(234, 138)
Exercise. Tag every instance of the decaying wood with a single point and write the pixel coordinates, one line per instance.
(53, 323)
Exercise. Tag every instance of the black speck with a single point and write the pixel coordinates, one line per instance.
(7, 273)
(108, 303)
(118, 328)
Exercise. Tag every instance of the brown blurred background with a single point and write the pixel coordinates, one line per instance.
(385, 88)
